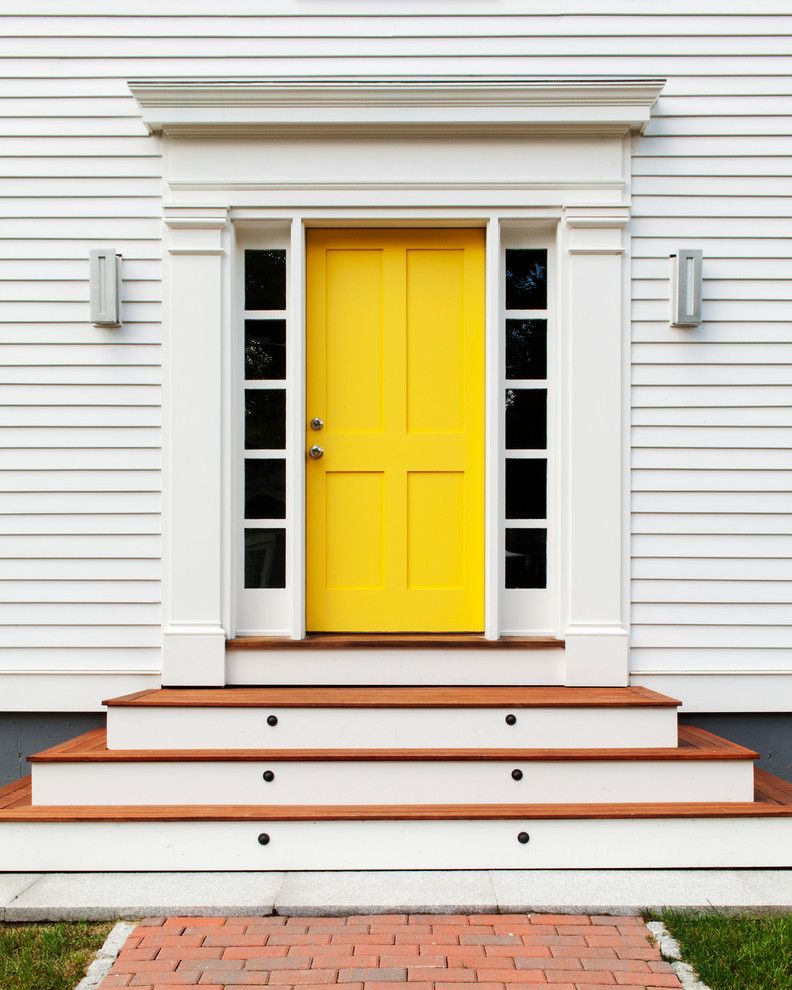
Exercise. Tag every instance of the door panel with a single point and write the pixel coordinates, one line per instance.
(395, 368)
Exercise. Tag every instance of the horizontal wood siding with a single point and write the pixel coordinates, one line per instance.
(80, 407)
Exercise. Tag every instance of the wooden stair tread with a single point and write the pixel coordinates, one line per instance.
(395, 697)
(389, 641)
(771, 788)
(694, 744)
(15, 806)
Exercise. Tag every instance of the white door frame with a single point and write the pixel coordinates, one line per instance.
(236, 153)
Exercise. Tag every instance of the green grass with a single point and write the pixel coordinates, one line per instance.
(47, 957)
(735, 952)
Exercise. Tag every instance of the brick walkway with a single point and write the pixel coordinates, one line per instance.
(392, 952)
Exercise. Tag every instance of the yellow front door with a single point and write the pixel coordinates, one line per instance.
(395, 371)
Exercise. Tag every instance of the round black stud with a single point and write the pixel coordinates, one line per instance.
(523, 838)
(263, 839)
(269, 776)
(511, 720)
(517, 774)
(272, 720)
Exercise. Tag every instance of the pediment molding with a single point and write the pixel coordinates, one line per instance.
(441, 104)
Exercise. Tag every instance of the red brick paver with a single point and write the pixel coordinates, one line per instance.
(392, 952)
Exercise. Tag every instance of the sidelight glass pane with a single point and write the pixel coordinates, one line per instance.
(265, 419)
(526, 488)
(265, 489)
(265, 349)
(526, 349)
(526, 558)
(526, 419)
(265, 279)
(526, 278)
(265, 558)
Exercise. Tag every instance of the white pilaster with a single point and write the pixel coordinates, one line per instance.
(596, 632)
(194, 635)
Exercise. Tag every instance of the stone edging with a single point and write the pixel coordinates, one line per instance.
(106, 956)
(669, 947)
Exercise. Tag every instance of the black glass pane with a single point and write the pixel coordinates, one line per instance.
(265, 279)
(265, 419)
(526, 488)
(265, 558)
(265, 349)
(265, 489)
(526, 419)
(526, 558)
(526, 278)
(526, 348)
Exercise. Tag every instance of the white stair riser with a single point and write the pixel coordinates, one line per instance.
(389, 782)
(396, 666)
(391, 845)
(384, 728)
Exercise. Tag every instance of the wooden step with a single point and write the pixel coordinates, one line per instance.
(556, 836)
(85, 772)
(772, 798)
(91, 747)
(384, 718)
(395, 697)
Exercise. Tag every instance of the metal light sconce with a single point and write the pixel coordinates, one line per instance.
(686, 288)
(105, 287)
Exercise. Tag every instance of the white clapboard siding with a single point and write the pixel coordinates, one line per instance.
(80, 406)
(82, 592)
(701, 458)
(734, 287)
(678, 523)
(80, 416)
(725, 568)
(742, 592)
(724, 331)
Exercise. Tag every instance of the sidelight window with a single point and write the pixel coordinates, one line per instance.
(264, 370)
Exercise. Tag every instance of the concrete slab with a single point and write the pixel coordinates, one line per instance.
(628, 891)
(386, 891)
(11, 886)
(101, 896)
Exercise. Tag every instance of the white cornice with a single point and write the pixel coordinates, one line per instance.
(460, 104)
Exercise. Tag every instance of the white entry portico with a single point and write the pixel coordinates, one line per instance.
(523, 158)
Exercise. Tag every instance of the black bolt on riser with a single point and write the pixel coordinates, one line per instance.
(272, 720)
(517, 775)
(511, 720)
(263, 839)
(523, 838)
(269, 776)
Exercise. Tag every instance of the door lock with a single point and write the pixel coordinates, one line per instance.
(316, 452)
(316, 423)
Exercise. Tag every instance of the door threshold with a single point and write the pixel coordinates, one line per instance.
(347, 641)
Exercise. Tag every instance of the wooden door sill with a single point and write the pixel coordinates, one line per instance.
(379, 641)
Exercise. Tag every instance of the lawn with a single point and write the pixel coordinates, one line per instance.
(733, 952)
(47, 957)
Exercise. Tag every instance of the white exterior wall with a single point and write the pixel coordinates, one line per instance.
(79, 406)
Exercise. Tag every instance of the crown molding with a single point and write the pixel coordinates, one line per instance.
(445, 104)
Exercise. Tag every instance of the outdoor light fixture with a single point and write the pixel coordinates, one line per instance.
(105, 287)
(686, 288)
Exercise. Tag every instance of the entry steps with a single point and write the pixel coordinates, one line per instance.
(394, 778)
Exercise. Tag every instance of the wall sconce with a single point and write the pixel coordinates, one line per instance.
(686, 288)
(104, 273)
